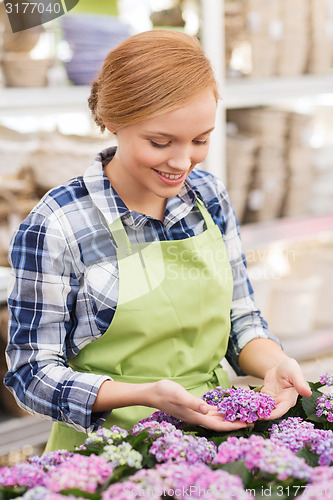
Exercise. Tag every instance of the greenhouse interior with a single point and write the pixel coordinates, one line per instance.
(271, 150)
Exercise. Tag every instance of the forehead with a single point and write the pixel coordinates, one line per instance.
(194, 118)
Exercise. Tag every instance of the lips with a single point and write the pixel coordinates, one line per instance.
(170, 179)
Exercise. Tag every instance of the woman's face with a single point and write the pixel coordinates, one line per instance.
(155, 156)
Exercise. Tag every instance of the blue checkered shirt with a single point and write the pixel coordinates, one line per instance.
(64, 288)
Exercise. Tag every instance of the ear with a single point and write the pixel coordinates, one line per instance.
(108, 125)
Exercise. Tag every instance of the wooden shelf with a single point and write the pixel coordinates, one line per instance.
(250, 92)
(242, 92)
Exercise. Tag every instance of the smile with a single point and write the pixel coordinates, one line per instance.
(170, 179)
(171, 176)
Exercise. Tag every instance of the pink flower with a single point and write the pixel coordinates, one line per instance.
(81, 472)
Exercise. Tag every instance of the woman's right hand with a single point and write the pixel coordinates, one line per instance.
(172, 398)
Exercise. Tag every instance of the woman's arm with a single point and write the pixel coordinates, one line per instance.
(167, 396)
(42, 301)
(260, 355)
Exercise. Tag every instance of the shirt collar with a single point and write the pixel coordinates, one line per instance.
(112, 206)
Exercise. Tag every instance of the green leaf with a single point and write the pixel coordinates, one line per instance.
(136, 440)
(237, 468)
(7, 492)
(310, 458)
(120, 473)
(309, 405)
(314, 386)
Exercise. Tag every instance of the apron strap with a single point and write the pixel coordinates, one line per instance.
(205, 214)
(121, 238)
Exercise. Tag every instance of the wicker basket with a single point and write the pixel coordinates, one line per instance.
(20, 70)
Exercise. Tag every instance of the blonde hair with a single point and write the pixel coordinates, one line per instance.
(148, 74)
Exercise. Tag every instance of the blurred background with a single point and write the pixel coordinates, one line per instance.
(273, 148)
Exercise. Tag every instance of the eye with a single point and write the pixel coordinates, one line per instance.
(158, 145)
(201, 143)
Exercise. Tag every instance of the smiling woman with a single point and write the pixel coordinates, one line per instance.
(129, 282)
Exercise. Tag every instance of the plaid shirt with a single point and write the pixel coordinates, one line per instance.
(64, 287)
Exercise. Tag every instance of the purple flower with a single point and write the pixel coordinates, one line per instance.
(243, 404)
(176, 446)
(81, 472)
(265, 455)
(155, 428)
(22, 474)
(326, 379)
(322, 445)
(325, 406)
(296, 434)
(160, 416)
(51, 459)
(293, 432)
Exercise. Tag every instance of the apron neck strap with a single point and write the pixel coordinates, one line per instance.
(205, 214)
(120, 236)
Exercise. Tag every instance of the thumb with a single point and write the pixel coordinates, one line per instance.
(198, 405)
(302, 387)
(204, 408)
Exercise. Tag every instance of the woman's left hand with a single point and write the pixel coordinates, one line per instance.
(284, 382)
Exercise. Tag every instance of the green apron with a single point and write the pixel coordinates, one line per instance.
(172, 321)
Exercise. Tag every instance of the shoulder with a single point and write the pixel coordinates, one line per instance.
(62, 198)
(55, 215)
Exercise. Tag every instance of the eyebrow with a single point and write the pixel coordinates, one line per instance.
(163, 134)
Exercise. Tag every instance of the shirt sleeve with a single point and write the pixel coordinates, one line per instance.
(246, 320)
(41, 301)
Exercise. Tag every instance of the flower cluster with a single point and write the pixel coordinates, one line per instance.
(293, 432)
(176, 446)
(179, 481)
(51, 459)
(122, 454)
(318, 491)
(322, 445)
(22, 474)
(159, 457)
(81, 472)
(322, 473)
(296, 434)
(104, 436)
(325, 406)
(243, 404)
(264, 455)
(42, 493)
(155, 428)
(160, 416)
(326, 379)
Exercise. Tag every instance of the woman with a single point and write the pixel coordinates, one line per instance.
(129, 283)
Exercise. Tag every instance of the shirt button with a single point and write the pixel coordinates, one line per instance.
(128, 251)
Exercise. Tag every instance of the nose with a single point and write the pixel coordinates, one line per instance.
(180, 160)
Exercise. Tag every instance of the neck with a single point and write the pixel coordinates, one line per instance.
(134, 198)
